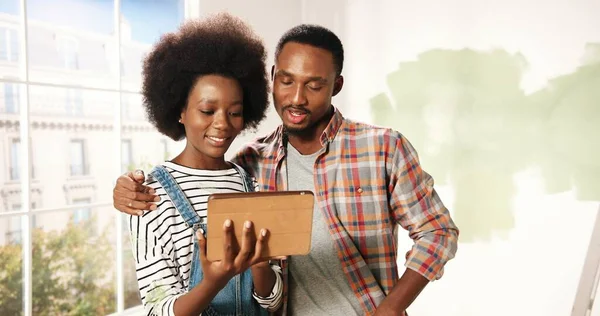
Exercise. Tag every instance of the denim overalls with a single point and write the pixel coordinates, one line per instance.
(236, 297)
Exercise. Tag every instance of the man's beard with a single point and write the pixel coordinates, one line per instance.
(297, 131)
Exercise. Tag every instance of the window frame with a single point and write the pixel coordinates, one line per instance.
(191, 10)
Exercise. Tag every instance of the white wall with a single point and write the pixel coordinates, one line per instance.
(523, 243)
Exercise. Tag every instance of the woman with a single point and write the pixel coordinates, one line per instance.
(206, 83)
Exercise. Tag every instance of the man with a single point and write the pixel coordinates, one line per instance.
(366, 181)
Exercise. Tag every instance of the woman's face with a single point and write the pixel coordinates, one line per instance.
(212, 118)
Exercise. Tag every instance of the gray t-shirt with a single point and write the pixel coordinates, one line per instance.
(317, 284)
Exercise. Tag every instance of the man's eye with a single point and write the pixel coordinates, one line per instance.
(315, 88)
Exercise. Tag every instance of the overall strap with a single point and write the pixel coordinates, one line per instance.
(247, 180)
(178, 198)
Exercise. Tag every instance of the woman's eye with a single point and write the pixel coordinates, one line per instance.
(236, 114)
(207, 112)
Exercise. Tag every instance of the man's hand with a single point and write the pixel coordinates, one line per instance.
(403, 294)
(236, 259)
(385, 311)
(131, 196)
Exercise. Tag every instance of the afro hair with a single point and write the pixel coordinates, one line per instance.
(219, 45)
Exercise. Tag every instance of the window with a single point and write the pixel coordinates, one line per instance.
(79, 165)
(15, 164)
(70, 89)
(126, 155)
(68, 50)
(74, 102)
(14, 231)
(11, 97)
(9, 44)
(84, 213)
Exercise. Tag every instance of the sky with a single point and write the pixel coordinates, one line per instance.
(148, 18)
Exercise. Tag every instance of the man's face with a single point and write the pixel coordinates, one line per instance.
(304, 80)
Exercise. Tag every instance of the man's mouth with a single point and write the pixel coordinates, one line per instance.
(296, 116)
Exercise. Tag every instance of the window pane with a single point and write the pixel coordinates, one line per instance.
(10, 40)
(10, 145)
(126, 155)
(15, 165)
(142, 24)
(71, 42)
(76, 126)
(76, 270)
(148, 146)
(11, 98)
(11, 265)
(130, 284)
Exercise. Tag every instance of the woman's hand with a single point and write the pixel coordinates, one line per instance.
(237, 258)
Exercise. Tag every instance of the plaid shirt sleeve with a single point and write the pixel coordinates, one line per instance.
(416, 206)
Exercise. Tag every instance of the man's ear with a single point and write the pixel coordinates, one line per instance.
(272, 72)
(337, 85)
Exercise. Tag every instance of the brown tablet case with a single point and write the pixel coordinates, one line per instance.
(287, 215)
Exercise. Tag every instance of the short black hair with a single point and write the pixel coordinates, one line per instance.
(219, 45)
(317, 36)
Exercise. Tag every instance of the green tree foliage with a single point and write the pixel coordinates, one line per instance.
(73, 273)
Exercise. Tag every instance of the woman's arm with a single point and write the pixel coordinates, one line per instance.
(157, 273)
(269, 296)
(216, 274)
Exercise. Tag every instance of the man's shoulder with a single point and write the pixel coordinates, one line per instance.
(352, 128)
(258, 148)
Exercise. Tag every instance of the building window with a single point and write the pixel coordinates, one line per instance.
(11, 98)
(84, 213)
(9, 44)
(15, 164)
(74, 102)
(126, 155)
(68, 50)
(79, 166)
(14, 231)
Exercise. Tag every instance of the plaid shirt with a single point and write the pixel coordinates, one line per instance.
(368, 180)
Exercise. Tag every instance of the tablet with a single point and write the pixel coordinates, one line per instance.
(287, 215)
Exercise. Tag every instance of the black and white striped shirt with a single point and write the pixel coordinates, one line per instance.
(163, 245)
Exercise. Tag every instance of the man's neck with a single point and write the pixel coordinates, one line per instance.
(305, 146)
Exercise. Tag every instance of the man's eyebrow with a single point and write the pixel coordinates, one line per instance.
(282, 72)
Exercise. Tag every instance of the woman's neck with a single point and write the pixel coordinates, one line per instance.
(192, 158)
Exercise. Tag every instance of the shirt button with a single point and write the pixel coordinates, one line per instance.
(360, 190)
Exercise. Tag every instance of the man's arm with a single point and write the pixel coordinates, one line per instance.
(131, 196)
(417, 208)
